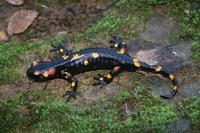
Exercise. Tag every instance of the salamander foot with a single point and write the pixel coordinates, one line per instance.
(71, 94)
(101, 80)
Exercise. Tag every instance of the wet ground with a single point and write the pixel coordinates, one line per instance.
(56, 18)
(71, 18)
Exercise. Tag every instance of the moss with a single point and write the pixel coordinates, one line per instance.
(41, 112)
(120, 21)
(11, 60)
(196, 52)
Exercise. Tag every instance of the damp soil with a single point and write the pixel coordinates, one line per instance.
(56, 18)
(71, 18)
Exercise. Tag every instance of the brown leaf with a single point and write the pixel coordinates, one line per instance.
(15, 2)
(20, 21)
(3, 36)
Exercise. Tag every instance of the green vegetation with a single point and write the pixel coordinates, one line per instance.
(126, 21)
(10, 58)
(45, 2)
(14, 55)
(196, 51)
(190, 24)
(130, 110)
(42, 112)
(190, 108)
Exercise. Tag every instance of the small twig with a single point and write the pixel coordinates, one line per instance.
(71, 117)
(101, 10)
(72, 11)
(19, 58)
(128, 112)
(46, 84)
(44, 6)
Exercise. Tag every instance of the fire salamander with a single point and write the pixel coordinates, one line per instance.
(92, 59)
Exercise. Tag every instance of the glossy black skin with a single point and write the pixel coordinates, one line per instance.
(107, 59)
(96, 58)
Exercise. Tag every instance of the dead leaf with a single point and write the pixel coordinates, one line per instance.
(20, 21)
(3, 36)
(15, 2)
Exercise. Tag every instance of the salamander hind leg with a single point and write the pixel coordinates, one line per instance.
(102, 80)
(74, 84)
(119, 44)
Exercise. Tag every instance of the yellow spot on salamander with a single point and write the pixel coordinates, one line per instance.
(86, 62)
(46, 74)
(101, 79)
(123, 43)
(116, 45)
(73, 84)
(109, 76)
(61, 50)
(37, 72)
(76, 56)
(136, 62)
(158, 69)
(65, 57)
(95, 55)
(122, 51)
(171, 77)
(175, 87)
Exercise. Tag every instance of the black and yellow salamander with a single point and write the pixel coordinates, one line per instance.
(71, 64)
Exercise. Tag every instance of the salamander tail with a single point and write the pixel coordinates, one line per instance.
(158, 69)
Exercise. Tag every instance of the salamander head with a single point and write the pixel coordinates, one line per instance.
(40, 71)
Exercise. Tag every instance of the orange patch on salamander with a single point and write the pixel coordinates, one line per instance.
(51, 71)
(116, 68)
(176, 87)
(34, 63)
(37, 72)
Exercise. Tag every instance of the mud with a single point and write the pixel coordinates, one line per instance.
(67, 18)
(56, 18)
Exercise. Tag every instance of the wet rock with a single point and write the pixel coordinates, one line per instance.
(191, 89)
(156, 54)
(96, 94)
(178, 126)
(183, 49)
(159, 29)
(154, 30)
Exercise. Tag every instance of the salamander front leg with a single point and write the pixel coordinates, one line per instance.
(74, 84)
(103, 80)
(61, 49)
(119, 44)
